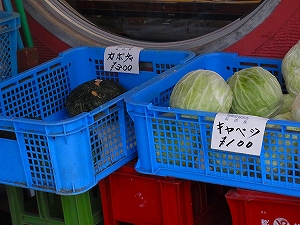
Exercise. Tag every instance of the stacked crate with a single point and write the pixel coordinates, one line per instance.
(52, 209)
(9, 25)
(177, 143)
(133, 198)
(62, 158)
(252, 207)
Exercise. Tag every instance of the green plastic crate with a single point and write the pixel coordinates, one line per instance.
(52, 209)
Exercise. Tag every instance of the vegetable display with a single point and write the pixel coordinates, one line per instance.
(250, 91)
(92, 94)
(291, 69)
(202, 90)
(287, 103)
(284, 155)
(175, 144)
(295, 109)
(256, 92)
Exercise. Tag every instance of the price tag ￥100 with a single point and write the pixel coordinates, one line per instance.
(122, 58)
(238, 133)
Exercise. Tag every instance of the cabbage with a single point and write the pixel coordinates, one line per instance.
(202, 90)
(255, 92)
(281, 150)
(296, 108)
(227, 162)
(286, 106)
(284, 116)
(290, 69)
(176, 142)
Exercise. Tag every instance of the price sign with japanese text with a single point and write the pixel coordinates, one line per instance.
(238, 133)
(122, 58)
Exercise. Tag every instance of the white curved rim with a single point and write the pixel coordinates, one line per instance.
(73, 29)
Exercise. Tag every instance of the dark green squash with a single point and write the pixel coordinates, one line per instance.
(91, 94)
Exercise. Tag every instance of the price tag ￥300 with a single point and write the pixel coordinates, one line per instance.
(238, 133)
(122, 58)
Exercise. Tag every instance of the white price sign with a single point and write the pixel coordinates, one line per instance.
(122, 58)
(238, 133)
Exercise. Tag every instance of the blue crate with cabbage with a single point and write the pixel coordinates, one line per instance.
(174, 115)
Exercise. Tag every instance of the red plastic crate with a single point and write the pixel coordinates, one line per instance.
(261, 208)
(129, 197)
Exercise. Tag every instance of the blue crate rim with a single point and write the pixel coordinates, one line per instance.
(99, 109)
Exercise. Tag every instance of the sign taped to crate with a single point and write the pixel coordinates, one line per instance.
(238, 133)
(122, 58)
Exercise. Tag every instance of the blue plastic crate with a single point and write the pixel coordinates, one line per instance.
(9, 25)
(66, 155)
(170, 144)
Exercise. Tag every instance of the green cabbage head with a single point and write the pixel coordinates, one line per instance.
(290, 69)
(202, 90)
(287, 103)
(255, 92)
(296, 108)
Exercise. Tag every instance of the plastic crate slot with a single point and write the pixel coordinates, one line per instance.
(234, 70)
(9, 86)
(108, 75)
(173, 147)
(280, 155)
(102, 74)
(130, 133)
(269, 65)
(160, 68)
(39, 160)
(54, 87)
(162, 98)
(248, 64)
(106, 137)
(98, 62)
(146, 66)
(41, 72)
(25, 79)
(53, 67)
(6, 56)
(230, 164)
(8, 134)
(21, 101)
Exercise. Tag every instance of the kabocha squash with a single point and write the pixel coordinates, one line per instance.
(91, 94)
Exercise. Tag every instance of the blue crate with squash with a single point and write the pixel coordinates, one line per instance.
(64, 124)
